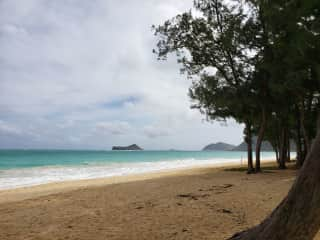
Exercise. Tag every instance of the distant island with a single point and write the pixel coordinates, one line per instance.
(133, 147)
(219, 146)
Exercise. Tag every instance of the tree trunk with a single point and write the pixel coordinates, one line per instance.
(288, 149)
(276, 150)
(248, 140)
(299, 161)
(304, 151)
(304, 131)
(298, 215)
(300, 157)
(277, 154)
(283, 150)
(259, 140)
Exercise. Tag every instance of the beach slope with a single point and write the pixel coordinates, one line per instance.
(210, 203)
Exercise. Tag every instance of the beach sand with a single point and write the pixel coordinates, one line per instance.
(206, 203)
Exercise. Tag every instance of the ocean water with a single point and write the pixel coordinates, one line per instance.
(21, 168)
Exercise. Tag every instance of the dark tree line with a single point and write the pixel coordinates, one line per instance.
(258, 62)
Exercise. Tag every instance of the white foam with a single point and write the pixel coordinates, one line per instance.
(40, 175)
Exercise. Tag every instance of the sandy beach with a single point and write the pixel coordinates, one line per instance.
(202, 203)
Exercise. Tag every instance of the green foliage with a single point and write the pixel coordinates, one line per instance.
(212, 51)
(250, 60)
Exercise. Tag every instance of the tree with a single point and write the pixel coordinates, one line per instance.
(213, 52)
(298, 215)
(256, 36)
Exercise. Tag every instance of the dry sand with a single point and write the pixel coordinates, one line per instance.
(209, 203)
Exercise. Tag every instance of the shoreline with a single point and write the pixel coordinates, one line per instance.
(18, 170)
(202, 203)
(34, 191)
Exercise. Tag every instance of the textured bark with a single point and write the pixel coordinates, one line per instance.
(282, 150)
(300, 155)
(288, 149)
(259, 140)
(276, 148)
(248, 140)
(306, 138)
(300, 159)
(298, 215)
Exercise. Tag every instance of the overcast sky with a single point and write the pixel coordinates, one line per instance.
(81, 74)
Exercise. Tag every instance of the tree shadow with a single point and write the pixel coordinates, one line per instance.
(264, 169)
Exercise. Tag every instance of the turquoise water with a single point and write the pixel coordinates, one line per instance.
(10, 159)
(31, 167)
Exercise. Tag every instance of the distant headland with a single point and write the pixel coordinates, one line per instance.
(133, 147)
(221, 146)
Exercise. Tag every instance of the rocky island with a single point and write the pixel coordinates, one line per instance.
(133, 147)
(220, 146)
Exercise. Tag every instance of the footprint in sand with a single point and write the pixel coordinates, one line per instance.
(218, 189)
(193, 196)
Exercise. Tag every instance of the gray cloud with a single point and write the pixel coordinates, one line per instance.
(7, 129)
(114, 128)
(70, 68)
(155, 132)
